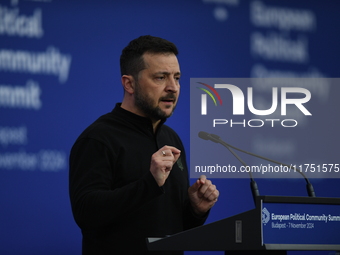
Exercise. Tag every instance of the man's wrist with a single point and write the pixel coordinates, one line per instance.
(198, 213)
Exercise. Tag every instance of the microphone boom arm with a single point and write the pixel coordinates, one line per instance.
(217, 139)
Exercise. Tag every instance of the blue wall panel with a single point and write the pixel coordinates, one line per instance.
(59, 71)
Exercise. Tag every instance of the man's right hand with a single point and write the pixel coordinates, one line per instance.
(162, 162)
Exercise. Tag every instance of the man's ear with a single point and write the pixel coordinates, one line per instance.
(128, 83)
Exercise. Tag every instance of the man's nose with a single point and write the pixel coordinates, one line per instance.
(172, 85)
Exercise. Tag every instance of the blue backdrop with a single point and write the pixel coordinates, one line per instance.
(59, 71)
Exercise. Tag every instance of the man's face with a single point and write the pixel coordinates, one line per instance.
(157, 88)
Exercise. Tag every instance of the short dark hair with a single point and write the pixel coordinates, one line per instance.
(131, 60)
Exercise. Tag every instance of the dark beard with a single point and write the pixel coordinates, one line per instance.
(144, 103)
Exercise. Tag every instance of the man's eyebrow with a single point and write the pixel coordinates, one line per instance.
(167, 73)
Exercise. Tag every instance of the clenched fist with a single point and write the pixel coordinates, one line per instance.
(203, 195)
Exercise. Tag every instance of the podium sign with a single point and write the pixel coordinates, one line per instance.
(276, 224)
(291, 226)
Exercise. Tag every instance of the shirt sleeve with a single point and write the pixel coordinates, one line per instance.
(190, 218)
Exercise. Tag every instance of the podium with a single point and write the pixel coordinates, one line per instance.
(275, 225)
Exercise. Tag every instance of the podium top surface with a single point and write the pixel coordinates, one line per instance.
(299, 200)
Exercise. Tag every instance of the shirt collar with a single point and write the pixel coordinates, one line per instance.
(135, 119)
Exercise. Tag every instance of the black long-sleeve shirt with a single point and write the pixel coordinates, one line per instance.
(115, 199)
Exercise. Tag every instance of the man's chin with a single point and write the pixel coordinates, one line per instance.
(161, 113)
(168, 111)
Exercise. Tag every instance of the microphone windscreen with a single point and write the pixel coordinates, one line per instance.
(215, 136)
(203, 135)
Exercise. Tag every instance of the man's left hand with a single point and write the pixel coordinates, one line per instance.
(203, 195)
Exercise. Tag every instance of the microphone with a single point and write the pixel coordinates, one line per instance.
(217, 139)
(206, 136)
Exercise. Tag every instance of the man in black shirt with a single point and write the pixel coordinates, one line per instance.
(128, 172)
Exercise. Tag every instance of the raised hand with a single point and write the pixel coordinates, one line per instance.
(203, 195)
(162, 162)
